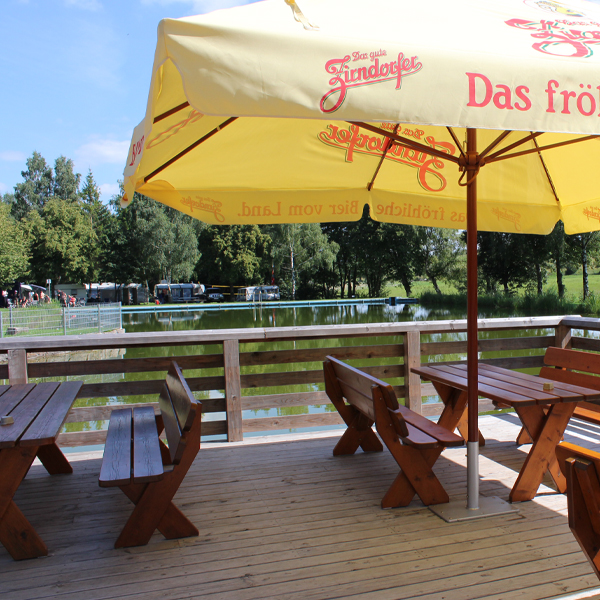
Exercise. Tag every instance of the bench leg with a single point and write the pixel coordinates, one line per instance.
(415, 477)
(154, 510)
(583, 498)
(359, 433)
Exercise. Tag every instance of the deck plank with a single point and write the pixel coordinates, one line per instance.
(281, 518)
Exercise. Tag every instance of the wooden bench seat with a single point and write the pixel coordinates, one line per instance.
(414, 441)
(581, 468)
(146, 470)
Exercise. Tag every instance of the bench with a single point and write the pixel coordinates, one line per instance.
(577, 368)
(148, 472)
(414, 441)
(581, 468)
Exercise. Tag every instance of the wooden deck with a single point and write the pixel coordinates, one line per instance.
(281, 518)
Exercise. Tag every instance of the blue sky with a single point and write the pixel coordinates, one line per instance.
(75, 79)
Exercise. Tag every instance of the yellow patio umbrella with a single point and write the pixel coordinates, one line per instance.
(279, 113)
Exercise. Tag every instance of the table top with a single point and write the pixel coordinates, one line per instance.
(508, 387)
(39, 411)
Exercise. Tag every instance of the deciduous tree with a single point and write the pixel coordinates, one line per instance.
(36, 189)
(14, 248)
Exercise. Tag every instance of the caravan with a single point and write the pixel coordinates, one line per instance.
(258, 293)
(179, 292)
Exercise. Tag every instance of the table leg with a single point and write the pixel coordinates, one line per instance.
(16, 533)
(546, 430)
(53, 459)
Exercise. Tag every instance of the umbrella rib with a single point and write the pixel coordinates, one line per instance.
(502, 136)
(388, 145)
(496, 158)
(401, 141)
(190, 148)
(516, 144)
(170, 112)
(546, 171)
(456, 141)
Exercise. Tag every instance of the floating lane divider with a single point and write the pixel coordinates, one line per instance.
(212, 306)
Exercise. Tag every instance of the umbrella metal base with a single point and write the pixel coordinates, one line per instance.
(457, 510)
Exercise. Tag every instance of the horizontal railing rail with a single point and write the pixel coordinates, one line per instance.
(238, 374)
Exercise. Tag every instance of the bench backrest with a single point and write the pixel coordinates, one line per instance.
(357, 387)
(577, 368)
(178, 408)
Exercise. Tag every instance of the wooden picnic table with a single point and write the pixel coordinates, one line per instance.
(37, 413)
(544, 413)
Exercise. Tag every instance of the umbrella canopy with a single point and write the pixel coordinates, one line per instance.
(408, 68)
(279, 113)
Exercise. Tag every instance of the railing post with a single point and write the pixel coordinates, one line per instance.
(1, 326)
(17, 366)
(233, 390)
(64, 317)
(412, 381)
(99, 321)
(562, 337)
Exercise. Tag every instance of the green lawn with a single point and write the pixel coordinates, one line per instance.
(573, 284)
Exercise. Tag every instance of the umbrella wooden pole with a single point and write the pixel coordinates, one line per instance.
(472, 331)
(488, 506)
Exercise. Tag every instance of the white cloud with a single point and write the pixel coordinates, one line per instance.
(92, 5)
(99, 152)
(12, 156)
(109, 189)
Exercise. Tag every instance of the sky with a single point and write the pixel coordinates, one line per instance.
(75, 79)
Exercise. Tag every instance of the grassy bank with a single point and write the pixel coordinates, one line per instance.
(547, 303)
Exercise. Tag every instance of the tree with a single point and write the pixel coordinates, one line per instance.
(100, 222)
(504, 259)
(556, 244)
(402, 249)
(582, 246)
(438, 253)
(181, 252)
(371, 249)
(66, 181)
(36, 189)
(150, 242)
(346, 261)
(60, 236)
(14, 248)
(299, 249)
(233, 255)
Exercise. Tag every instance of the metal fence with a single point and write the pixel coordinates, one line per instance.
(60, 321)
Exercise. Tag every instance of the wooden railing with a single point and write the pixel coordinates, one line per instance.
(226, 368)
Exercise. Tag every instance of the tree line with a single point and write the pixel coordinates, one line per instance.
(54, 226)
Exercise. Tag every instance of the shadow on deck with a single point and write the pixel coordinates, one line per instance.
(281, 518)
